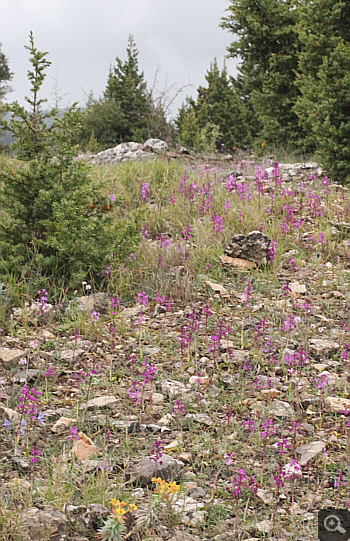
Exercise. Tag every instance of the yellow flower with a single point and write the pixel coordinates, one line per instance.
(132, 506)
(114, 502)
(173, 487)
(119, 511)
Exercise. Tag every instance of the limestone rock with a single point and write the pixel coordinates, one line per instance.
(70, 354)
(297, 288)
(253, 247)
(87, 518)
(83, 448)
(337, 404)
(38, 524)
(62, 425)
(98, 302)
(28, 375)
(280, 409)
(155, 145)
(101, 402)
(168, 468)
(131, 151)
(11, 357)
(236, 263)
(173, 388)
(201, 418)
(323, 347)
(310, 450)
(217, 288)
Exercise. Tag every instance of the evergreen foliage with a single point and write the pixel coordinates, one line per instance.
(104, 118)
(53, 225)
(127, 88)
(324, 82)
(5, 75)
(218, 108)
(267, 45)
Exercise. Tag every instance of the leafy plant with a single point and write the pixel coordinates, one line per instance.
(54, 224)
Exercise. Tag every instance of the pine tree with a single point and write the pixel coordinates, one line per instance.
(106, 119)
(219, 106)
(267, 46)
(324, 82)
(5, 75)
(51, 228)
(127, 87)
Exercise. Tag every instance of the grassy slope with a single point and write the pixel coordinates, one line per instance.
(177, 269)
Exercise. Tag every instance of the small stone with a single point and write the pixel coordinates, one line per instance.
(9, 413)
(40, 524)
(62, 425)
(134, 427)
(157, 398)
(265, 495)
(47, 335)
(265, 526)
(19, 484)
(87, 518)
(236, 263)
(98, 302)
(337, 404)
(229, 379)
(201, 418)
(83, 448)
(166, 419)
(152, 351)
(185, 457)
(101, 402)
(70, 354)
(282, 410)
(320, 367)
(322, 347)
(254, 247)
(168, 468)
(185, 536)
(270, 393)
(202, 381)
(217, 288)
(226, 344)
(173, 388)
(297, 288)
(28, 375)
(11, 357)
(309, 451)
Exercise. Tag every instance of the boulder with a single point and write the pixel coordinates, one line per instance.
(98, 302)
(156, 145)
(38, 524)
(130, 151)
(253, 247)
(86, 519)
(321, 347)
(168, 468)
(11, 357)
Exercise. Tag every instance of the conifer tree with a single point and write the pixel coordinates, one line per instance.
(127, 88)
(324, 82)
(267, 45)
(217, 105)
(5, 75)
(51, 226)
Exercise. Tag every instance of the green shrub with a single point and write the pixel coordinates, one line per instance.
(56, 225)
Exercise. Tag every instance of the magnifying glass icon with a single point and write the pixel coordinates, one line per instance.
(332, 524)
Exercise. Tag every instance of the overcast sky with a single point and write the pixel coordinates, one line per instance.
(83, 37)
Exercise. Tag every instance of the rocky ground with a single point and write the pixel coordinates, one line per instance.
(239, 393)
